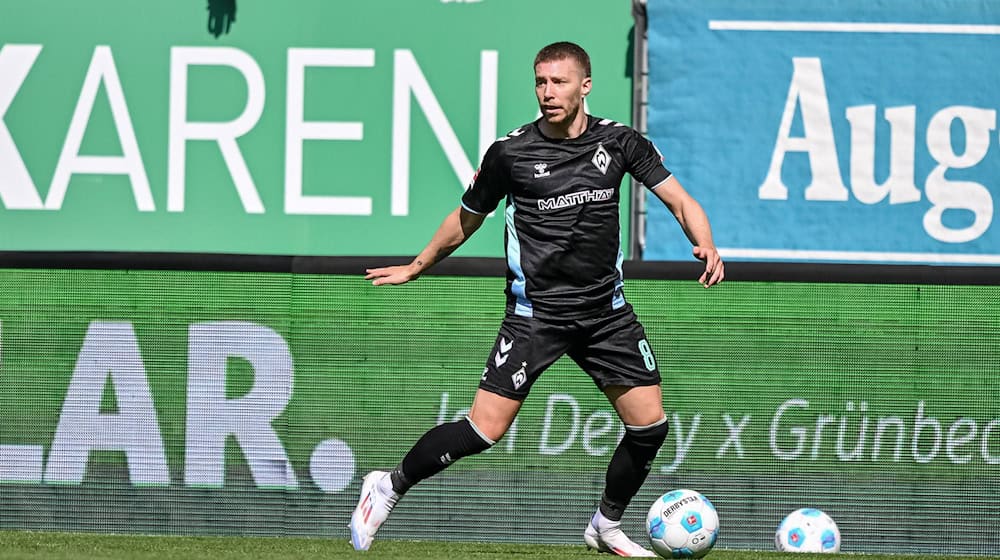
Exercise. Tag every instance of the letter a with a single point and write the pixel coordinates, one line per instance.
(808, 91)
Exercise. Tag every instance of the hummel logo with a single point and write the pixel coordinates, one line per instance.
(540, 170)
(445, 459)
(602, 159)
(502, 352)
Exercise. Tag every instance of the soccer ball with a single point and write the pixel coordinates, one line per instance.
(807, 530)
(682, 524)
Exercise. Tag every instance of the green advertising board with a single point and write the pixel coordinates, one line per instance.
(252, 403)
(312, 127)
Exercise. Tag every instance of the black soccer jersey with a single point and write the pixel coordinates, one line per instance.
(563, 237)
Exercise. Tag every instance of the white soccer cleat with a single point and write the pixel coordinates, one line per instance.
(376, 501)
(613, 541)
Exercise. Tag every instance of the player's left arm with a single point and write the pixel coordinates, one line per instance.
(693, 220)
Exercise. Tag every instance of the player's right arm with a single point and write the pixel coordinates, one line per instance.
(483, 195)
(457, 226)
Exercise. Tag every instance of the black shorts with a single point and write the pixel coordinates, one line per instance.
(611, 348)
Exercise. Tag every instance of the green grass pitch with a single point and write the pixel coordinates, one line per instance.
(78, 546)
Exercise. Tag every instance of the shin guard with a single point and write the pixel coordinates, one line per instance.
(439, 447)
(629, 466)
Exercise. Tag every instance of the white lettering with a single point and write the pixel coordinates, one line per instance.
(102, 69)
(442, 409)
(798, 432)
(211, 417)
(807, 91)
(17, 190)
(574, 199)
(952, 443)
(859, 446)
(592, 430)
(919, 423)
(682, 444)
(224, 133)
(899, 186)
(734, 438)
(945, 194)
(407, 78)
(19, 463)
(109, 350)
(880, 427)
(297, 130)
(985, 449)
(509, 438)
(544, 447)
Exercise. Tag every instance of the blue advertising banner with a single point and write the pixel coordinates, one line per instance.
(836, 131)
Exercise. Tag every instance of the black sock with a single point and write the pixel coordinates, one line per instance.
(629, 466)
(435, 450)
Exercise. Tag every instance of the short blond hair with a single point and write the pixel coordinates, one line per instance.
(563, 50)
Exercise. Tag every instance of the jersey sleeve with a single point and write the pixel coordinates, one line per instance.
(489, 185)
(644, 161)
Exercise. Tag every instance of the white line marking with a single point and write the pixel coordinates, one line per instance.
(853, 27)
(951, 258)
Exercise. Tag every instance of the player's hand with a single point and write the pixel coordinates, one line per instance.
(399, 274)
(714, 268)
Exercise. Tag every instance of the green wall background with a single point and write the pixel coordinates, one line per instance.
(888, 418)
(446, 41)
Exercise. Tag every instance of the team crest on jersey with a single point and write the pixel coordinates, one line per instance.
(602, 159)
(540, 170)
(519, 376)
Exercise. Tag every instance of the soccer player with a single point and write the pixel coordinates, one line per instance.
(560, 176)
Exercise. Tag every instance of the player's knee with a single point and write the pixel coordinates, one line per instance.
(650, 437)
(489, 431)
(475, 441)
